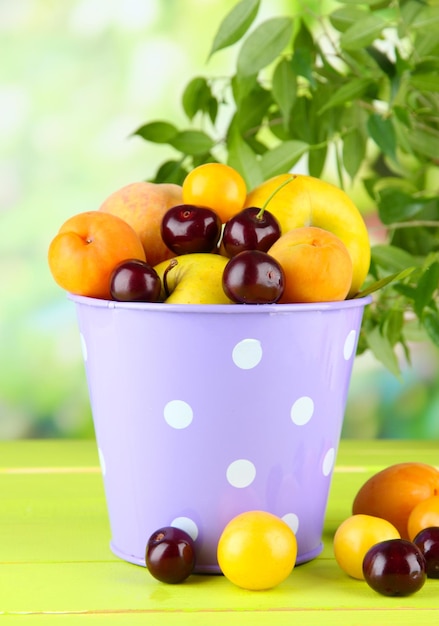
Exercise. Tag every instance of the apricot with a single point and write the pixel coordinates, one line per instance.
(393, 493)
(310, 201)
(316, 263)
(87, 248)
(142, 205)
(424, 515)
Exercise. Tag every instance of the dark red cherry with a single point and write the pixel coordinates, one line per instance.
(253, 277)
(395, 567)
(187, 228)
(250, 229)
(135, 281)
(427, 541)
(170, 555)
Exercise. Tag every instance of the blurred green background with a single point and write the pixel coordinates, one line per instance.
(77, 78)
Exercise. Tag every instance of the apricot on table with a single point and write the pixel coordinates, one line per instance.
(393, 493)
(316, 263)
(424, 515)
(87, 248)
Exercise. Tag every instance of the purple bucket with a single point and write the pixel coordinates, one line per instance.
(202, 412)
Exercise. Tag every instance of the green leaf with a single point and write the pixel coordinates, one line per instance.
(264, 44)
(170, 172)
(316, 160)
(431, 324)
(242, 157)
(371, 3)
(382, 60)
(383, 134)
(253, 109)
(383, 351)
(424, 142)
(281, 159)
(426, 42)
(427, 17)
(393, 326)
(427, 286)
(362, 33)
(347, 93)
(395, 205)
(391, 258)
(354, 151)
(196, 96)
(157, 132)
(341, 19)
(192, 142)
(242, 86)
(383, 282)
(402, 115)
(427, 81)
(235, 24)
(284, 88)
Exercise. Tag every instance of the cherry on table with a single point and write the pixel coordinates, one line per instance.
(427, 541)
(170, 554)
(187, 228)
(395, 567)
(253, 277)
(250, 229)
(135, 281)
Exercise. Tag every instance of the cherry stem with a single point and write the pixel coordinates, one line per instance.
(172, 263)
(271, 196)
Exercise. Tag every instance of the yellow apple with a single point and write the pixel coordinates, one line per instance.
(194, 278)
(309, 201)
(142, 205)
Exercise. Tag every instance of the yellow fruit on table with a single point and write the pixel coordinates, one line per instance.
(309, 201)
(257, 550)
(355, 536)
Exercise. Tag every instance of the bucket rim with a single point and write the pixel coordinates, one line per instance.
(164, 307)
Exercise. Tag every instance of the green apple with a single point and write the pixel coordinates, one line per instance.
(194, 278)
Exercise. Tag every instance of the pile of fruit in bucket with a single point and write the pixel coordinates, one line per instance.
(293, 238)
(391, 540)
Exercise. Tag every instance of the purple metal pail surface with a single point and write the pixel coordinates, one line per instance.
(202, 412)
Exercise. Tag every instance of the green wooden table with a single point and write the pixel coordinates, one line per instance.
(56, 566)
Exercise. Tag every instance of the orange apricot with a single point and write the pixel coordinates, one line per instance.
(316, 263)
(87, 248)
(423, 515)
(393, 493)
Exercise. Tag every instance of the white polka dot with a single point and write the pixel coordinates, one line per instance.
(292, 521)
(349, 345)
(302, 410)
(83, 347)
(241, 473)
(328, 462)
(247, 354)
(102, 462)
(186, 524)
(178, 414)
